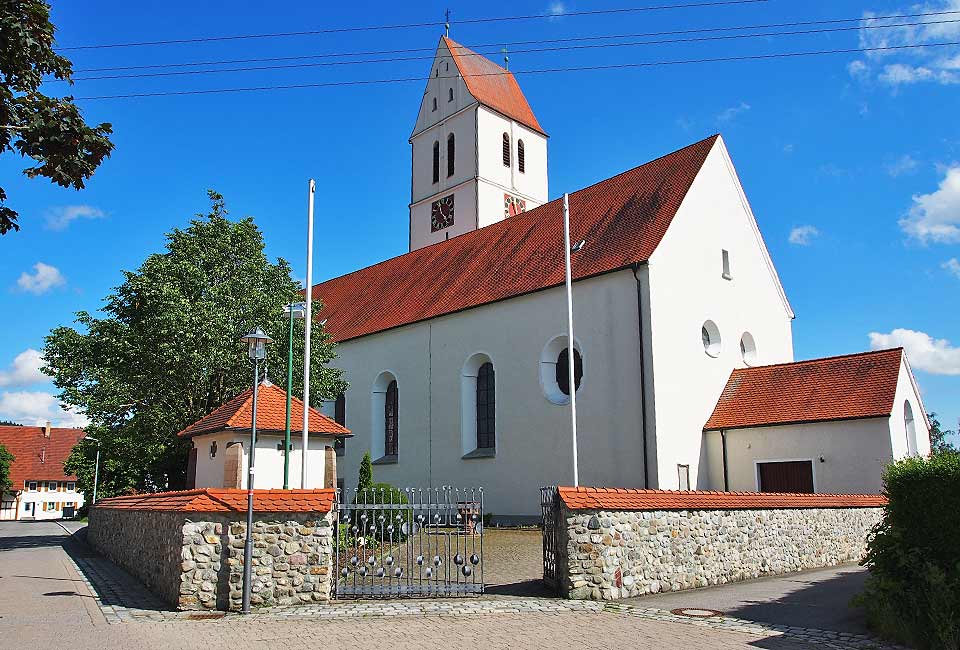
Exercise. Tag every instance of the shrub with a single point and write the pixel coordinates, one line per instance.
(913, 592)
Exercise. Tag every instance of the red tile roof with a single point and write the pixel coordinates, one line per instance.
(36, 457)
(492, 85)
(588, 498)
(622, 219)
(225, 500)
(271, 414)
(835, 388)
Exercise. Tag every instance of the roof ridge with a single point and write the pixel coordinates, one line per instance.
(818, 359)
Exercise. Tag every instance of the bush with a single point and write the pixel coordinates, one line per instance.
(913, 592)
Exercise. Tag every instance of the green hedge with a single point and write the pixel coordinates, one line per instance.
(913, 592)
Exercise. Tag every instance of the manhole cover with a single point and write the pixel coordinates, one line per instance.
(205, 617)
(696, 612)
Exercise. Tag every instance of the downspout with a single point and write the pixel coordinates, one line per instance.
(643, 383)
(723, 443)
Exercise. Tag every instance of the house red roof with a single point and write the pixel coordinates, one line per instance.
(589, 498)
(847, 387)
(271, 415)
(37, 457)
(622, 220)
(225, 500)
(492, 85)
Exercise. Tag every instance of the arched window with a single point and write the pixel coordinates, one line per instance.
(910, 428)
(434, 103)
(436, 161)
(486, 407)
(520, 158)
(390, 428)
(451, 154)
(450, 97)
(563, 370)
(506, 150)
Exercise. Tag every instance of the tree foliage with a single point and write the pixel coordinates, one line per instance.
(167, 350)
(365, 478)
(938, 437)
(6, 460)
(49, 130)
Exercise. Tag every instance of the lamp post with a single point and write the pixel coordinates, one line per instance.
(257, 349)
(96, 469)
(296, 311)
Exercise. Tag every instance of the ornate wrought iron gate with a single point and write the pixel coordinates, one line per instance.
(550, 506)
(408, 543)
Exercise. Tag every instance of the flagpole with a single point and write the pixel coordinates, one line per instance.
(307, 326)
(571, 354)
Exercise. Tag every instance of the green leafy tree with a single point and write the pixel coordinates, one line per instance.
(938, 437)
(49, 130)
(6, 460)
(167, 350)
(8, 423)
(365, 479)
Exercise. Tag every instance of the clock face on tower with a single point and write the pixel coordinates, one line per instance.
(441, 213)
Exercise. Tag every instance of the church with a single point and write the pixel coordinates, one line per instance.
(456, 352)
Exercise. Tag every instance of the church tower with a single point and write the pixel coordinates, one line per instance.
(479, 154)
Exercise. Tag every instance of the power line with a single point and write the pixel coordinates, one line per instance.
(520, 51)
(467, 21)
(614, 66)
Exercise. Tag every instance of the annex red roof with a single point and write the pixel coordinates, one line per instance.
(271, 414)
(225, 500)
(36, 457)
(622, 220)
(847, 387)
(589, 498)
(492, 85)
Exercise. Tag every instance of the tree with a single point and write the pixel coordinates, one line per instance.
(8, 423)
(938, 437)
(365, 480)
(50, 130)
(6, 460)
(167, 350)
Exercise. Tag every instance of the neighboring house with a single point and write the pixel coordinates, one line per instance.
(41, 488)
(456, 352)
(221, 442)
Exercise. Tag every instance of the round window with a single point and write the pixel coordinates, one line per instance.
(563, 370)
(555, 370)
(710, 335)
(748, 349)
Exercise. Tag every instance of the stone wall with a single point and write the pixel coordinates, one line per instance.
(611, 554)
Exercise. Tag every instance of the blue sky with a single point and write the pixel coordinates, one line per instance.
(851, 161)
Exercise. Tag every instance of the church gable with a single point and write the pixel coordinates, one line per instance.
(446, 92)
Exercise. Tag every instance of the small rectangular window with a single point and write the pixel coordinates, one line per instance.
(52, 486)
(684, 472)
(71, 487)
(32, 486)
(726, 265)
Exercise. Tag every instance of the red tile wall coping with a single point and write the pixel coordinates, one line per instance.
(591, 498)
(225, 500)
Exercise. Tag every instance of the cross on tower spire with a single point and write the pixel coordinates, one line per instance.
(506, 58)
(446, 24)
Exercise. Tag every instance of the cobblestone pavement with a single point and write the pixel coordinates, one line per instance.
(133, 618)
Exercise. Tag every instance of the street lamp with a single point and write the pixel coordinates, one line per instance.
(96, 469)
(257, 349)
(296, 311)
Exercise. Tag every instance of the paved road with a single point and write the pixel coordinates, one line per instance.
(818, 599)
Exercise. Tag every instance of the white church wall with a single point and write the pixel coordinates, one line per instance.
(917, 440)
(268, 463)
(533, 439)
(854, 454)
(532, 183)
(444, 76)
(464, 217)
(686, 290)
(463, 127)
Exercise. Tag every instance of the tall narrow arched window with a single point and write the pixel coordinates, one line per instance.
(486, 407)
(521, 163)
(450, 95)
(434, 103)
(436, 161)
(506, 150)
(910, 429)
(451, 154)
(390, 420)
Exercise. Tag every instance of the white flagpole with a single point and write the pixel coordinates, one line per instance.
(571, 355)
(307, 326)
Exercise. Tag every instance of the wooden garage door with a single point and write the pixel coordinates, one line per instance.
(786, 476)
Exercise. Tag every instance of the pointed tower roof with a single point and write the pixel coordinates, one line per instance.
(492, 85)
(271, 415)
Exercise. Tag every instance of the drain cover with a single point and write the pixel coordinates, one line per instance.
(696, 612)
(205, 617)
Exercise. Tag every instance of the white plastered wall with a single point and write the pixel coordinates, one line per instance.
(907, 392)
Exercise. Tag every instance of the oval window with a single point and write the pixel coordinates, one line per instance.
(710, 335)
(748, 349)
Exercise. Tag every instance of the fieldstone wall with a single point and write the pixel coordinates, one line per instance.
(606, 555)
(196, 562)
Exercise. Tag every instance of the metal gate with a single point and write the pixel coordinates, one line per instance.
(409, 543)
(550, 507)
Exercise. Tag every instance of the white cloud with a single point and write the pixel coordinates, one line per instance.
(24, 370)
(788, 148)
(37, 408)
(733, 112)
(43, 278)
(803, 235)
(557, 9)
(952, 265)
(60, 218)
(935, 217)
(858, 69)
(898, 74)
(935, 356)
(905, 164)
